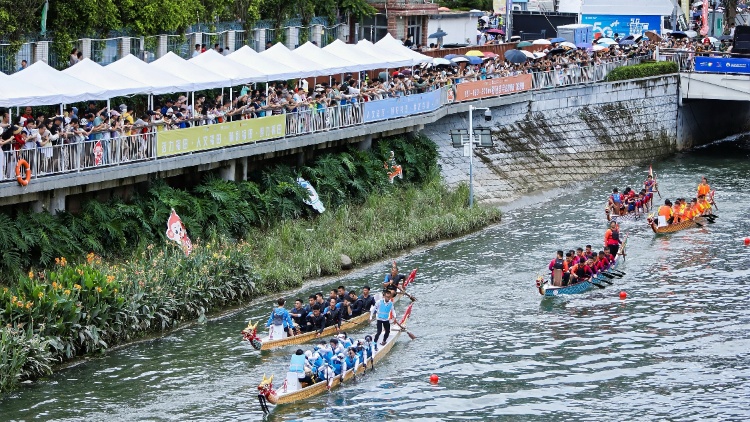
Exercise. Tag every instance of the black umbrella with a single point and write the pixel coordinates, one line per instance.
(515, 56)
(627, 42)
(630, 37)
(725, 38)
(678, 34)
(555, 51)
(439, 34)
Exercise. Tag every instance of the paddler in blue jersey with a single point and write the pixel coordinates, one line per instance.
(280, 318)
(297, 365)
(393, 279)
(382, 310)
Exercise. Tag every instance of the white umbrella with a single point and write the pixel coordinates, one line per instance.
(528, 54)
(691, 34)
(539, 55)
(568, 44)
(600, 47)
(459, 59)
(607, 41)
(712, 40)
(541, 41)
(438, 61)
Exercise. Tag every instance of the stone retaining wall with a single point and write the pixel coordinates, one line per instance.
(553, 138)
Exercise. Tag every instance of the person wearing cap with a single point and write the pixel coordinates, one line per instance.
(168, 103)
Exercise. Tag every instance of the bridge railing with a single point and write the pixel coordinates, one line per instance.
(686, 60)
(72, 157)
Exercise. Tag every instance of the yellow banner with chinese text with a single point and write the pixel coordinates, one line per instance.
(221, 135)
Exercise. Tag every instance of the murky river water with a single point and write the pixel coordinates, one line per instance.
(676, 349)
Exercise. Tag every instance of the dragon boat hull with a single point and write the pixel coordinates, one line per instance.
(266, 393)
(546, 288)
(690, 224)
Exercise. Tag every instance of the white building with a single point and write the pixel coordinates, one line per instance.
(461, 27)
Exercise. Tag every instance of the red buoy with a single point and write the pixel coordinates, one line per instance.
(623, 295)
(434, 379)
(747, 241)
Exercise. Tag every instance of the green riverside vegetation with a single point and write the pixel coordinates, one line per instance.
(642, 70)
(84, 282)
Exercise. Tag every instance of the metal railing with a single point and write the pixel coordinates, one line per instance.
(75, 156)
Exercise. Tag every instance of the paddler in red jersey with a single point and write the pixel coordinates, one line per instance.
(581, 271)
(558, 267)
(612, 238)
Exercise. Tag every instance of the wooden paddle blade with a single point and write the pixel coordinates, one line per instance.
(597, 285)
(607, 281)
(411, 336)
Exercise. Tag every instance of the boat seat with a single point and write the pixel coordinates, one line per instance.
(557, 276)
(292, 382)
(277, 332)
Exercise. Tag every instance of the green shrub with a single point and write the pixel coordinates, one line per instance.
(643, 70)
(23, 354)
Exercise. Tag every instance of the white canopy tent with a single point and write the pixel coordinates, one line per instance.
(69, 89)
(350, 52)
(116, 84)
(158, 81)
(246, 56)
(200, 77)
(24, 94)
(335, 63)
(305, 67)
(237, 73)
(388, 43)
(396, 56)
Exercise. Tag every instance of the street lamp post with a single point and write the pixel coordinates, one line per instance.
(466, 138)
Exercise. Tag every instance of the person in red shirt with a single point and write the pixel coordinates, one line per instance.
(612, 238)
(581, 271)
(558, 267)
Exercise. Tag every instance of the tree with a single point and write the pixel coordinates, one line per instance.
(20, 17)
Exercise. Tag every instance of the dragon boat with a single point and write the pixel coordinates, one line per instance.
(619, 218)
(291, 391)
(547, 289)
(682, 225)
(269, 341)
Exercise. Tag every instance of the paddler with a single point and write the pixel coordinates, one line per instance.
(589, 252)
(615, 201)
(581, 271)
(367, 300)
(676, 211)
(297, 365)
(383, 310)
(703, 187)
(298, 313)
(666, 212)
(558, 264)
(612, 238)
(280, 318)
(393, 279)
(704, 205)
(649, 184)
(315, 321)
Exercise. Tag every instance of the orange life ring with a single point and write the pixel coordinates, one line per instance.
(23, 181)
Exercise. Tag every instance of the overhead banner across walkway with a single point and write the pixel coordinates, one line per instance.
(201, 138)
(492, 87)
(721, 65)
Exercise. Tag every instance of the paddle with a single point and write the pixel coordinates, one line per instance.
(412, 298)
(611, 275)
(606, 281)
(597, 285)
(411, 336)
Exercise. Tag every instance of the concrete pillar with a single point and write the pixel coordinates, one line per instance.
(365, 144)
(195, 38)
(50, 202)
(292, 37)
(161, 46)
(41, 51)
(229, 171)
(86, 47)
(229, 39)
(260, 39)
(317, 35)
(123, 47)
(343, 33)
(300, 158)
(245, 164)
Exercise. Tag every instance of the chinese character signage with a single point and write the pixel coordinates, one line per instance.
(391, 108)
(609, 25)
(493, 87)
(722, 65)
(201, 138)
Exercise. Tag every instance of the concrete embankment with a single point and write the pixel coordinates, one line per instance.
(552, 138)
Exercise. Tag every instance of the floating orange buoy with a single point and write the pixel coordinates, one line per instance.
(747, 241)
(623, 295)
(434, 379)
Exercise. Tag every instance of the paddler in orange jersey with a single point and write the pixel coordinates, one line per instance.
(695, 209)
(704, 205)
(676, 211)
(703, 188)
(687, 211)
(666, 211)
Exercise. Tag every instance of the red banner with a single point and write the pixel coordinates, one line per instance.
(704, 18)
(493, 87)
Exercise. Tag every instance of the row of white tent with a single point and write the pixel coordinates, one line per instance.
(40, 84)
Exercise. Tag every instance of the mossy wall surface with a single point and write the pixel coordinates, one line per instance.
(564, 136)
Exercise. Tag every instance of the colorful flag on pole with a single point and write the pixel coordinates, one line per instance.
(407, 313)
(704, 18)
(176, 231)
(650, 171)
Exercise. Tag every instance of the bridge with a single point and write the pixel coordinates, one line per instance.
(715, 78)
